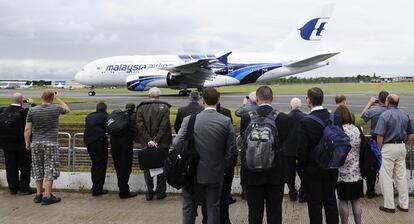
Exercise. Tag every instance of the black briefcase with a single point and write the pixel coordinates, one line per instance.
(151, 158)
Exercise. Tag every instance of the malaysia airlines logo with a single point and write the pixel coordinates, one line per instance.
(312, 30)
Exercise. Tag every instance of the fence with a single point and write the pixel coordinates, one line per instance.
(74, 156)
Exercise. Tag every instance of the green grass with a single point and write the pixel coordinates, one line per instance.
(6, 101)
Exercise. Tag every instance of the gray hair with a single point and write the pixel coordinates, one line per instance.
(154, 92)
(295, 103)
(252, 96)
(17, 98)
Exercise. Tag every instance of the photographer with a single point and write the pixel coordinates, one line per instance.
(17, 158)
(372, 112)
(249, 104)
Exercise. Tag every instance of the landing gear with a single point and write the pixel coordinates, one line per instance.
(91, 93)
(184, 92)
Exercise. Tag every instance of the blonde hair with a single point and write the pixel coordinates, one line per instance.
(48, 95)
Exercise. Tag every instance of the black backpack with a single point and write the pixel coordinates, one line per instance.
(369, 161)
(181, 164)
(11, 125)
(260, 141)
(117, 122)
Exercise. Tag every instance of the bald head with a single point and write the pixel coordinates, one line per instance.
(17, 98)
(392, 100)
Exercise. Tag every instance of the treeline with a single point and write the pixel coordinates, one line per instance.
(293, 79)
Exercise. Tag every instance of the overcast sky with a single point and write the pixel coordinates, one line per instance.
(53, 39)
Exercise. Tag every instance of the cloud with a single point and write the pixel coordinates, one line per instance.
(57, 37)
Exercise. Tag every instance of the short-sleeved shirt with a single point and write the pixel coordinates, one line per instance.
(45, 121)
(373, 114)
(394, 125)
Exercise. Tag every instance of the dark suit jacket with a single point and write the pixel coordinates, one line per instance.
(278, 175)
(95, 127)
(191, 108)
(309, 134)
(20, 143)
(291, 145)
(226, 112)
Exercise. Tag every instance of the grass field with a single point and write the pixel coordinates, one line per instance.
(6, 101)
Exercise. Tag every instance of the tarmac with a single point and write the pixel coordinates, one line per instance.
(83, 208)
(356, 101)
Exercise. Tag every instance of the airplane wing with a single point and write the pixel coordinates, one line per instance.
(311, 60)
(193, 73)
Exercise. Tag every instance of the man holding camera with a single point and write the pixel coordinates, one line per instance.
(41, 136)
(17, 158)
(372, 112)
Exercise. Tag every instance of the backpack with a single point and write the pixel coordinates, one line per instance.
(370, 158)
(117, 122)
(260, 141)
(11, 125)
(181, 164)
(333, 147)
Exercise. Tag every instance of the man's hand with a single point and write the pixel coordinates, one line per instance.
(245, 101)
(30, 101)
(372, 100)
(28, 146)
(152, 144)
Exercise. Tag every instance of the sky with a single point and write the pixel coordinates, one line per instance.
(53, 39)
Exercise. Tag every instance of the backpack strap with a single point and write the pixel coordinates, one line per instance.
(332, 118)
(253, 114)
(274, 114)
(190, 126)
(316, 119)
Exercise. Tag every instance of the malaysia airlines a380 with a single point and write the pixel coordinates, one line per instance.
(184, 71)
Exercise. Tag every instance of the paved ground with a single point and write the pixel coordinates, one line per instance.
(356, 101)
(83, 208)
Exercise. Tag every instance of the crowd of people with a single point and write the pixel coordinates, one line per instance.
(274, 147)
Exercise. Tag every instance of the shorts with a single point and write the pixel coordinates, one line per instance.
(45, 161)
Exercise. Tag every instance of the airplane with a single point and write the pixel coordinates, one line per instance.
(6, 85)
(184, 71)
(25, 86)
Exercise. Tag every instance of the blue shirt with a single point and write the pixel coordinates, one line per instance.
(394, 125)
(373, 114)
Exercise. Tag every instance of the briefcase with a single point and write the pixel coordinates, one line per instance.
(151, 158)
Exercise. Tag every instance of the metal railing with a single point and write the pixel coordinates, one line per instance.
(74, 156)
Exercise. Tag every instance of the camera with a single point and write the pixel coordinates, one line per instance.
(247, 97)
(25, 101)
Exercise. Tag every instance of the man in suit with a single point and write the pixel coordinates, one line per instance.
(97, 144)
(153, 122)
(266, 187)
(319, 184)
(291, 152)
(215, 159)
(16, 157)
(192, 108)
(122, 153)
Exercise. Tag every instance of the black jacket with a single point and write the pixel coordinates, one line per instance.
(226, 112)
(191, 108)
(278, 175)
(291, 145)
(20, 143)
(95, 127)
(309, 135)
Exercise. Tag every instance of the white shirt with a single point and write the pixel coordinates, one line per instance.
(265, 104)
(15, 104)
(210, 108)
(317, 108)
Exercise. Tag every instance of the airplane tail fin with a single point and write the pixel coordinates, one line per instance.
(307, 36)
(224, 58)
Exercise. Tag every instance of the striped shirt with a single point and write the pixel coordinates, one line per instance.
(45, 121)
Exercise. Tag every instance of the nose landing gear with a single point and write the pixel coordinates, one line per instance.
(91, 93)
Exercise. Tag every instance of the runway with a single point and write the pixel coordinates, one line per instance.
(356, 101)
